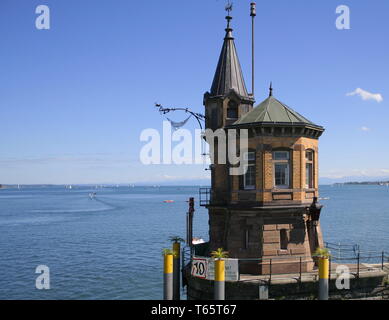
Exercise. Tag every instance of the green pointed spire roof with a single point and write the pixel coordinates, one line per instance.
(272, 111)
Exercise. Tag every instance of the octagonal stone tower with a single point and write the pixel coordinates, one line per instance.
(270, 212)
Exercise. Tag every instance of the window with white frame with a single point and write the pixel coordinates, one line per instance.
(281, 169)
(309, 156)
(250, 176)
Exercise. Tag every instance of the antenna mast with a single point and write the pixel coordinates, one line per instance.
(253, 13)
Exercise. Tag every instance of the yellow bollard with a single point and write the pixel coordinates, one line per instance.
(168, 277)
(323, 278)
(176, 270)
(219, 293)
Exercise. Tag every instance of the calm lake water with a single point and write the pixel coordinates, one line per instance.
(110, 247)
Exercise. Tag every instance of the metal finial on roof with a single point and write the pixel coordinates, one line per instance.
(229, 7)
(271, 89)
(229, 18)
(229, 29)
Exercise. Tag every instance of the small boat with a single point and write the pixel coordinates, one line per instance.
(168, 201)
(197, 241)
(92, 195)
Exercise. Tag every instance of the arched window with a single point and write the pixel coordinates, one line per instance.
(309, 165)
(281, 161)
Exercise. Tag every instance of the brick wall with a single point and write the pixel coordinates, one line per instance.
(265, 191)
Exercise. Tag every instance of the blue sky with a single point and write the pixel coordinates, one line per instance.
(74, 99)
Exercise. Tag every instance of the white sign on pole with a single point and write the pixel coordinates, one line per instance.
(204, 268)
(232, 269)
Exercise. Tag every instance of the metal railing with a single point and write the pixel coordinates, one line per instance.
(266, 269)
(353, 255)
(337, 249)
(282, 267)
(363, 261)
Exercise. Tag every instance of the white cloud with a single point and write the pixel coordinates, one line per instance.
(366, 129)
(365, 95)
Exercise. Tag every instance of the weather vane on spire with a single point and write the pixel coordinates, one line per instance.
(229, 7)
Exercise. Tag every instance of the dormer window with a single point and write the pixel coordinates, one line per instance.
(281, 169)
(232, 110)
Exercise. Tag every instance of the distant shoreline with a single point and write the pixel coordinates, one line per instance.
(365, 183)
(12, 186)
(15, 186)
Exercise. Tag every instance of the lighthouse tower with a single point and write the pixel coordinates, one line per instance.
(270, 211)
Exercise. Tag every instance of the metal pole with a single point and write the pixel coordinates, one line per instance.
(183, 257)
(382, 260)
(270, 271)
(253, 14)
(323, 278)
(176, 270)
(187, 230)
(300, 269)
(191, 211)
(219, 293)
(358, 265)
(168, 277)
